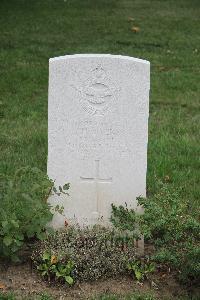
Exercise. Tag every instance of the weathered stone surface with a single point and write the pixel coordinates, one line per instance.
(97, 133)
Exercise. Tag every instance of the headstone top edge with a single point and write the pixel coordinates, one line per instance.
(66, 57)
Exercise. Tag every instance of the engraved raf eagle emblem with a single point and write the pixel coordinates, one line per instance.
(97, 91)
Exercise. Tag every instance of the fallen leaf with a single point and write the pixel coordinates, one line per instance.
(161, 68)
(130, 19)
(135, 29)
(167, 178)
(53, 259)
(2, 286)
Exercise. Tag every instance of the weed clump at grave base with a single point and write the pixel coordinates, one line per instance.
(96, 252)
(167, 223)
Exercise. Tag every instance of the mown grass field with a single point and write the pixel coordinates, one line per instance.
(32, 31)
(102, 297)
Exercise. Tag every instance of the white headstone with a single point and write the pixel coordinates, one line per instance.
(97, 133)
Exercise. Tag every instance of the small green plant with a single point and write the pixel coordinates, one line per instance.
(132, 296)
(24, 209)
(45, 297)
(8, 296)
(141, 269)
(11, 296)
(52, 268)
(123, 218)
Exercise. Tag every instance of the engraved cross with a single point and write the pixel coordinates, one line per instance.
(97, 179)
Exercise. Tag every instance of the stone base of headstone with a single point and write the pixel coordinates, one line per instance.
(139, 246)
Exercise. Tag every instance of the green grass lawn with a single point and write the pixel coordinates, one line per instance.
(32, 31)
(134, 296)
(101, 297)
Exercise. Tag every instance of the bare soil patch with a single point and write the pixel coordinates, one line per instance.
(24, 281)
